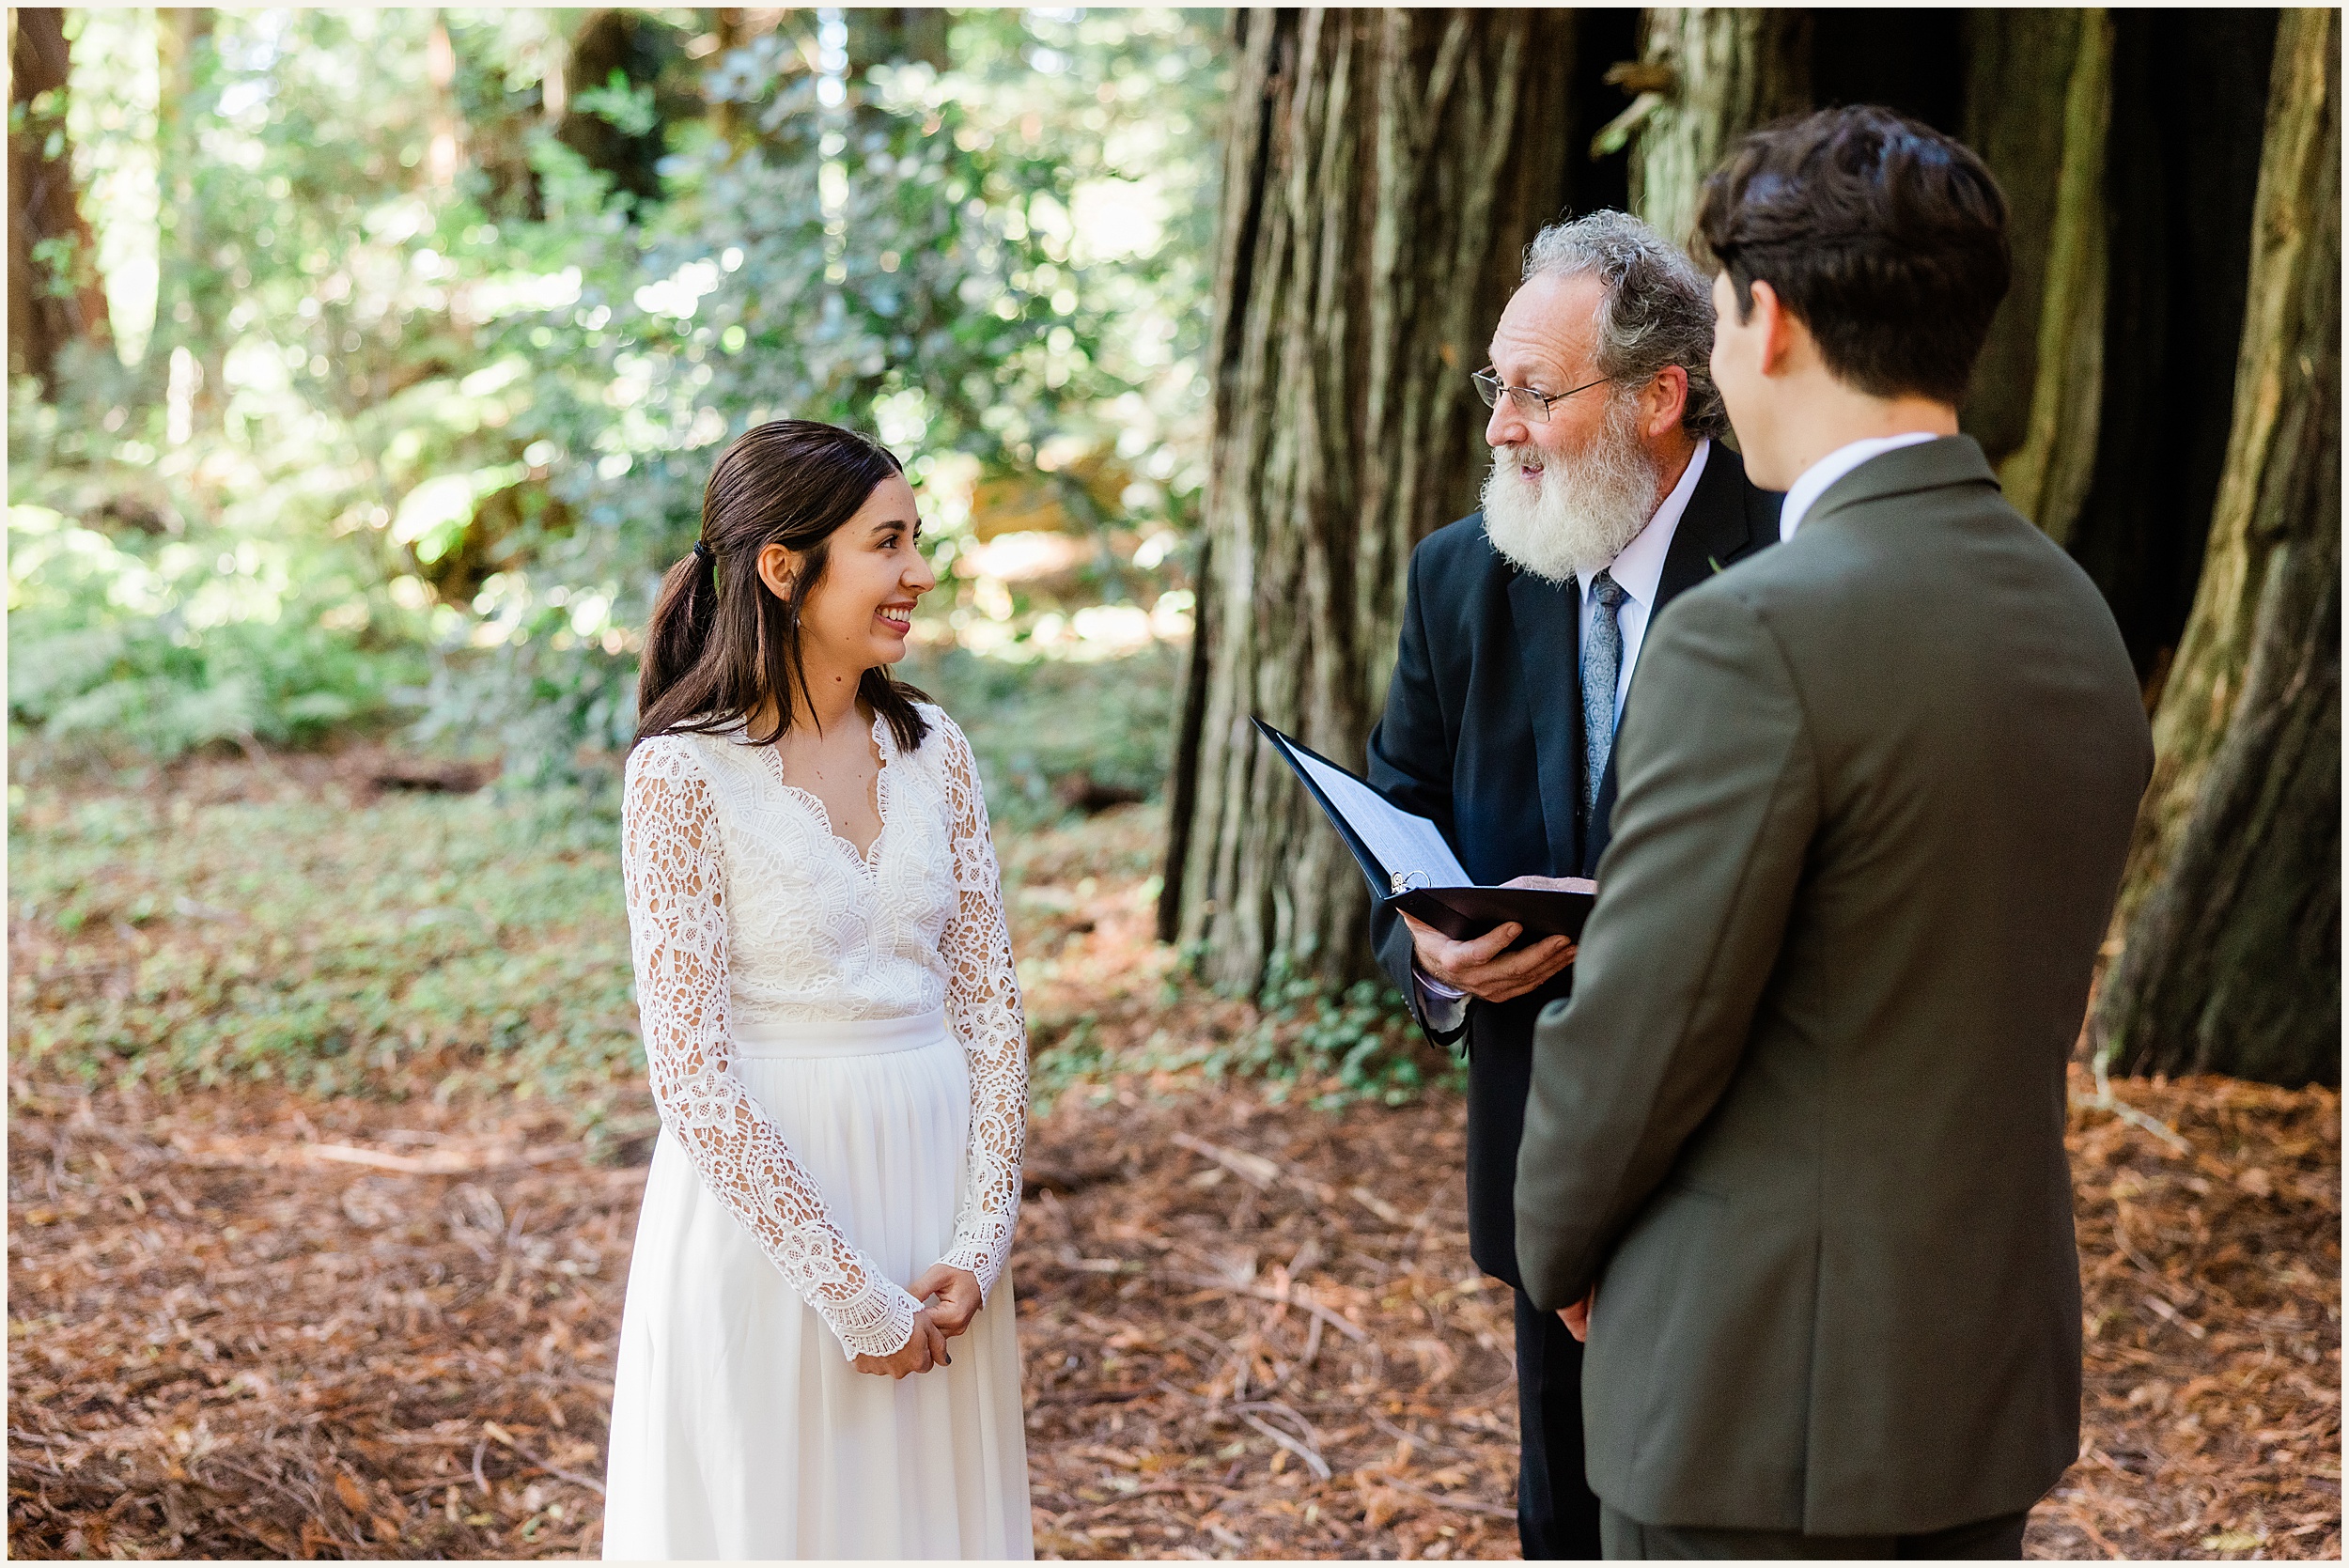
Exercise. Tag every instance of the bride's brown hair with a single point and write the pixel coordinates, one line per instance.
(720, 640)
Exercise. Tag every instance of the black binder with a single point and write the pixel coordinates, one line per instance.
(1439, 894)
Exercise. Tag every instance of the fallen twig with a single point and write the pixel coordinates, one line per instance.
(2105, 1100)
(1465, 1505)
(1313, 1462)
(1265, 1293)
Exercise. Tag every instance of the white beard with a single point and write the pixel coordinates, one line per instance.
(1582, 514)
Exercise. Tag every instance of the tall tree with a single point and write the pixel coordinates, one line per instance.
(2182, 166)
(2230, 914)
(2047, 473)
(55, 296)
(2019, 66)
(192, 293)
(1384, 170)
(1714, 72)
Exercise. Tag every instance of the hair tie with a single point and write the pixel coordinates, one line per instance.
(703, 551)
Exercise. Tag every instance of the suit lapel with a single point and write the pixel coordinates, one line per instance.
(1717, 526)
(1546, 623)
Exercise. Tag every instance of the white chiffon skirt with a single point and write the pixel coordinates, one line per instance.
(739, 1429)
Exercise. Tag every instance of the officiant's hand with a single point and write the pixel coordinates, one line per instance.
(958, 1294)
(925, 1348)
(1577, 1317)
(1482, 968)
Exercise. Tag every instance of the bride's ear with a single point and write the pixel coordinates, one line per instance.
(777, 568)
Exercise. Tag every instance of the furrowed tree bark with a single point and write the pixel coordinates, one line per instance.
(2020, 64)
(55, 295)
(1717, 72)
(2230, 916)
(1383, 170)
(2046, 477)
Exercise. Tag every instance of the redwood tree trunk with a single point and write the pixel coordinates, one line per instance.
(1721, 73)
(2230, 916)
(2046, 475)
(1383, 171)
(55, 297)
(2019, 65)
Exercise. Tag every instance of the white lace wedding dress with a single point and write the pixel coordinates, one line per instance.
(839, 1056)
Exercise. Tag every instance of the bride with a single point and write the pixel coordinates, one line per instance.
(817, 1357)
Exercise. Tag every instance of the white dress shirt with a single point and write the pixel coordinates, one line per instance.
(1638, 569)
(1819, 476)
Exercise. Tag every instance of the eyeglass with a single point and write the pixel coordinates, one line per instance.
(1534, 405)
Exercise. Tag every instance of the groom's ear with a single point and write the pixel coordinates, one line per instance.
(1776, 332)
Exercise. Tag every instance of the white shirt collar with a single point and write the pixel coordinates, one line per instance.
(1806, 490)
(1638, 569)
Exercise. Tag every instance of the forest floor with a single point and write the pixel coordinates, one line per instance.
(251, 1320)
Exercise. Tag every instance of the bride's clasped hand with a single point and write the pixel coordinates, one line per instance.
(952, 1299)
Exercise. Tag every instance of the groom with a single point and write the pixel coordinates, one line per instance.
(1802, 1122)
(1608, 495)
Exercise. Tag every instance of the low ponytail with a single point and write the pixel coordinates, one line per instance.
(678, 634)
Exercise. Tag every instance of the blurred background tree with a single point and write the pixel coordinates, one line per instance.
(429, 322)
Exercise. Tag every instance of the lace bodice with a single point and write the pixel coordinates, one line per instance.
(744, 905)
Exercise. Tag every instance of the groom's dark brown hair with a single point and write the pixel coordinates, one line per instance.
(1886, 238)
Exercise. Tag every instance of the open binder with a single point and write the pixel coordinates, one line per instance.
(1412, 867)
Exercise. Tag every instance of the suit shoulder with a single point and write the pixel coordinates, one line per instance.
(1457, 547)
(1738, 596)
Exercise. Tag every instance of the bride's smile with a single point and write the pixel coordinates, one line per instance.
(859, 609)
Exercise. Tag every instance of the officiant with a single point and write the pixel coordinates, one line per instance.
(1609, 493)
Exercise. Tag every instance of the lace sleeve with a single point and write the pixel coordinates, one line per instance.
(669, 860)
(983, 1010)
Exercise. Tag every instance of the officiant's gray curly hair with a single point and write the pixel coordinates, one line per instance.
(1657, 308)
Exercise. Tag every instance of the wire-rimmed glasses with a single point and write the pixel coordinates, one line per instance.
(1534, 405)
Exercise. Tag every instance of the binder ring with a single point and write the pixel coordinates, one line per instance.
(1401, 882)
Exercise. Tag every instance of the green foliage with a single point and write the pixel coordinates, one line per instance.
(902, 254)
(1360, 1043)
(186, 643)
(1042, 725)
(404, 322)
(1338, 1046)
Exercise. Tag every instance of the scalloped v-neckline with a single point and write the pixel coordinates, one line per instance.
(868, 859)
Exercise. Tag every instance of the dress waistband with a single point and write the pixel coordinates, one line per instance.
(822, 1039)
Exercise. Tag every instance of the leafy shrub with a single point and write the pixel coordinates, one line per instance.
(188, 642)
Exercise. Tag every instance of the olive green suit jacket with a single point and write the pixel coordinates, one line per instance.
(1802, 1121)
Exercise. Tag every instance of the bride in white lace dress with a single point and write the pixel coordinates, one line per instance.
(834, 1031)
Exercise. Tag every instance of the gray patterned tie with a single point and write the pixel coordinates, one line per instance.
(1602, 668)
